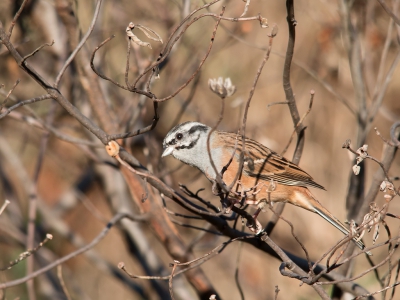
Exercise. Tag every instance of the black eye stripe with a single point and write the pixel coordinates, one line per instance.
(182, 135)
(190, 146)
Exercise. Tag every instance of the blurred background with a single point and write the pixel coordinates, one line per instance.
(77, 189)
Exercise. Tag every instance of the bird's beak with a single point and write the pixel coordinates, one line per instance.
(168, 151)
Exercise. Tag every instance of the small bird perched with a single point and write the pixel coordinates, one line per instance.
(266, 176)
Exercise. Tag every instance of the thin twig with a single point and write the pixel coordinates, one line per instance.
(62, 260)
(247, 106)
(393, 136)
(8, 95)
(37, 50)
(277, 290)
(3, 207)
(16, 16)
(22, 103)
(201, 62)
(26, 254)
(300, 122)
(269, 105)
(290, 18)
(188, 100)
(116, 136)
(295, 237)
(80, 45)
(61, 279)
(237, 270)
(171, 292)
(389, 11)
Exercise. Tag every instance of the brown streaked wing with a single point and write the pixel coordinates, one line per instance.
(266, 164)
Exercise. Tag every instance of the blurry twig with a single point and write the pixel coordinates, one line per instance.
(61, 279)
(90, 206)
(21, 103)
(301, 65)
(60, 261)
(38, 49)
(8, 95)
(171, 292)
(396, 279)
(33, 199)
(148, 128)
(3, 207)
(380, 94)
(294, 270)
(200, 229)
(277, 290)
(295, 236)
(194, 262)
(131, 89)
(271, 36)
(237, 270)
(349, 258)
(269, 105)
(25, 255)
(378, 90)
(16, 16)
(292, 103)
(37, 122)
(389, 11)
(188, 99)
(395, 139)
(80, 45)
(392, 286)
(201, 62)
(300, 122)
(197, 197)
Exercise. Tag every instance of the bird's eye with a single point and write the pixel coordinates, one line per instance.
(179, 136)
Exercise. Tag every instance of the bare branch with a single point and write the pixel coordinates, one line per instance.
(80, 45)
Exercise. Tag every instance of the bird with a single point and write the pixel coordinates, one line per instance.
(266, 176)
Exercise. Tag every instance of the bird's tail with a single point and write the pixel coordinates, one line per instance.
(324, 213)
(339, 225)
